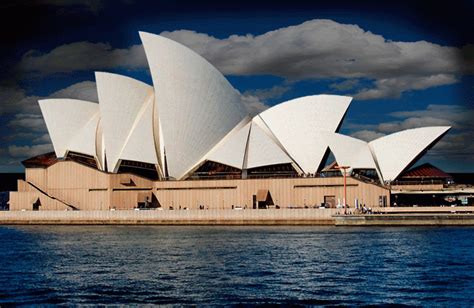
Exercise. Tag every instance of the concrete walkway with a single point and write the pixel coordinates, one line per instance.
(174, 217)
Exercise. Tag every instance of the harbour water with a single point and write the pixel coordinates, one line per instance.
(212, 265)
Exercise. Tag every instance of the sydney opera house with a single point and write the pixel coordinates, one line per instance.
(187, 142)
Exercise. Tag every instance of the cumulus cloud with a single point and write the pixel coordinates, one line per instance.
(367, 135)
(455, 145)
(268, 93)
(14, 99)
(394, 87)
(458, 116)
(42, 139)
(256, 100)
(27, 123)
(345, 85)
(85, 90)
(327, 49)
(28, 151)
(320, 49)
(315, 49)
(82, 56)
(413, 122)
(253, 104)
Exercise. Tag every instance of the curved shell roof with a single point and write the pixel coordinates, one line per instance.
(126, 108)
(296, 124)
(71, 124)
(396, 152)
(231, 150)
(193, 114)
(196, 105)
(350, 151)
(263, 150)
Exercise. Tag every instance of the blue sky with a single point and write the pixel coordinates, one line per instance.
(407, 65)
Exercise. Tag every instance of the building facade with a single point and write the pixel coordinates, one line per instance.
(188, 142)
(70, 185)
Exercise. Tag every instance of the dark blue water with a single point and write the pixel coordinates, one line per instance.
(236, 265)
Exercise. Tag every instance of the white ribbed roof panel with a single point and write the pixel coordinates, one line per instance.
(140, 145)
(71, 125)
(395, 152)
(231, 151)
(100, 148)
(350, 151)
(296, 124)
(84, 141)
(262, 149)
(196, 105)
(121, 99)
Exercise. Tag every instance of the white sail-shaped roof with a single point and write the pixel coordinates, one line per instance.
(350, 151)
(263, 150)
(100, 147)
(139, 145)
(72, 125)
(196, 105)
(192, 114)
(296, 124)
(395, 152)
(123, 101)
(231, 151)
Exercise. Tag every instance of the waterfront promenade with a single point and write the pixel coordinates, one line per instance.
(174, 217)
(310, 216)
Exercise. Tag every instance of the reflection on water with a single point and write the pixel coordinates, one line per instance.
(236, 265)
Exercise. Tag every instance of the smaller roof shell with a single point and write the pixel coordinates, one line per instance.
(71, 124)
(396, 152)
(297, 123)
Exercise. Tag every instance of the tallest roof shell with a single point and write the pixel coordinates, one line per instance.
(195, 104)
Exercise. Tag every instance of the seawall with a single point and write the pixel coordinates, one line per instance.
(402, 217)
(408, 219)
(173, 217)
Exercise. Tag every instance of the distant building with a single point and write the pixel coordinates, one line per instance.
(187, 141)
(424, 174)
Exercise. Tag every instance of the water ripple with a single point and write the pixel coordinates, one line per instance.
(236, 266)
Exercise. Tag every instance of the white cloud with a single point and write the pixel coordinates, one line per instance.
(394, 87)
(85, 90)
(268, 93)
(458, 116)
(28, 151)
(413, 122)
(345, 85)
(14, 99)
(367, 135)
(253, 104)
(455, 145)
(256, 100)
(315, 49)
(327, 49)
(42, 139)
(28, 123)
(320, 49)
(82, 56)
